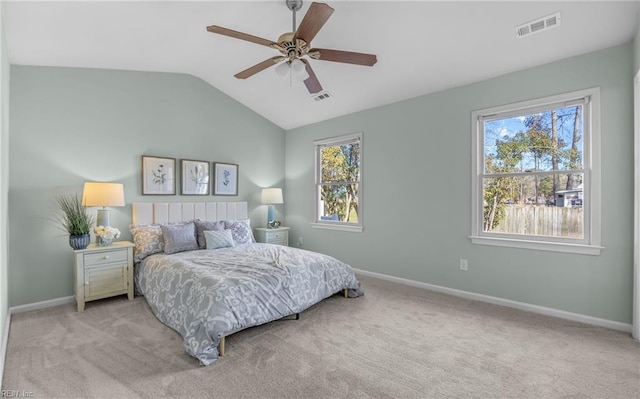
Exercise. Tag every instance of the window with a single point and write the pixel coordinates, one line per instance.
(338, 191)
(536, 174)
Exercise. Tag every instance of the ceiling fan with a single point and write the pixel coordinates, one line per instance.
(295, 46)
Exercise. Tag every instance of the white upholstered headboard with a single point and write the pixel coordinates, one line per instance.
(171, 212)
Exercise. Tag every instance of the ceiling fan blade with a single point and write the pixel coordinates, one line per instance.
(312, 83)
(313, 20)
(239, 35)
(247, 73)
(348, 57)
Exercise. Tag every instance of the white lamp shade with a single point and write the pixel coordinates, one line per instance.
(272, 196)
(103, 194)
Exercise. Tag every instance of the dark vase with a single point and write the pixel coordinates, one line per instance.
(80, 241)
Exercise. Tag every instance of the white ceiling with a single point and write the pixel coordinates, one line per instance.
(422, 47)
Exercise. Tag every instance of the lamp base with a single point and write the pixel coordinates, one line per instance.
(102, 220)
(103, 217)
(270, 215)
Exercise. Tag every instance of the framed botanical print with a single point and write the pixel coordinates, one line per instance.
(226, 179)
(158, 175)
(195, 177)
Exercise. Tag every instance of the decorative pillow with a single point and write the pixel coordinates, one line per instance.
(240, 230)
(179, 238)
(147, 240)
(219, 239)
(202, 226)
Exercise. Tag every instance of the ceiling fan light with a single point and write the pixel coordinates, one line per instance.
(302, 76)
(299, 69)
(283, 69)
(297, 66)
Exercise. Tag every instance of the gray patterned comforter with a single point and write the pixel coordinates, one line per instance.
(208, 294)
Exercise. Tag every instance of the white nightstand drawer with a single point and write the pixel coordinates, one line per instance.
(100, 258)
(276, 236)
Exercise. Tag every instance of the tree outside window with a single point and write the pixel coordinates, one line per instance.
(338, 181)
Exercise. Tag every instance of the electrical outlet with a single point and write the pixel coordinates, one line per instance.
(464, 265)
(300, 241)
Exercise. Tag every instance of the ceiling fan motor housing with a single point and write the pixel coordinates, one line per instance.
(290, 49)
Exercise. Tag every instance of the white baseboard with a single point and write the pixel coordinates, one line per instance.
(595, 321)
(3, 350)
(41, 305)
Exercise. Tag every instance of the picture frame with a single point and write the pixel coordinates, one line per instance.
(195, 177)
(158, 175)
(225, 178)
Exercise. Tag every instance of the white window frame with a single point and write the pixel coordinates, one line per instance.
(332, 224)
(590, 244)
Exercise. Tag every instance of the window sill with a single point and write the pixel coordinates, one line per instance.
(539, 245)
(338, 227)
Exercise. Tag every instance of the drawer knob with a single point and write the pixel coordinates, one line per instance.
(106, 256)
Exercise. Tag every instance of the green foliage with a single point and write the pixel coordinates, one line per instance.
(75, 218)
(509, 152)
(496, 192)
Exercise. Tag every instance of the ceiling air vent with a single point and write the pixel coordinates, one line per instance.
(540, 24)
(322, 96)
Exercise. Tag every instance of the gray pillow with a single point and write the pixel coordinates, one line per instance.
(179, 238)
(240, 230)
(219, 239)
(202, 226)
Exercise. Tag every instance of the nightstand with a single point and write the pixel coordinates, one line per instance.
(102, 272)
(279, 235)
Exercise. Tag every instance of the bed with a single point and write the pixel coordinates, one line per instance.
(225, 281)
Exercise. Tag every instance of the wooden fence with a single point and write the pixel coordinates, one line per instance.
(542, 220)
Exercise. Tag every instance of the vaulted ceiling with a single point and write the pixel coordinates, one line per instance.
(422, 46)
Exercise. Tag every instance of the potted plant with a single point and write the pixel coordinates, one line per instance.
(76, 220)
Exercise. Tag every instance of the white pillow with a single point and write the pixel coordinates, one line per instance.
(218, 239)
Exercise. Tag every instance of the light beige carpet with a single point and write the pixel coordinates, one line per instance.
(395, 342)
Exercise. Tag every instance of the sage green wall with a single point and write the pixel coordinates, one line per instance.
(72, 125)
(417, 183)
(4, 180)
(636, 51)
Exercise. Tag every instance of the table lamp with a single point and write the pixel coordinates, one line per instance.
(103, 194)
(271, 196)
